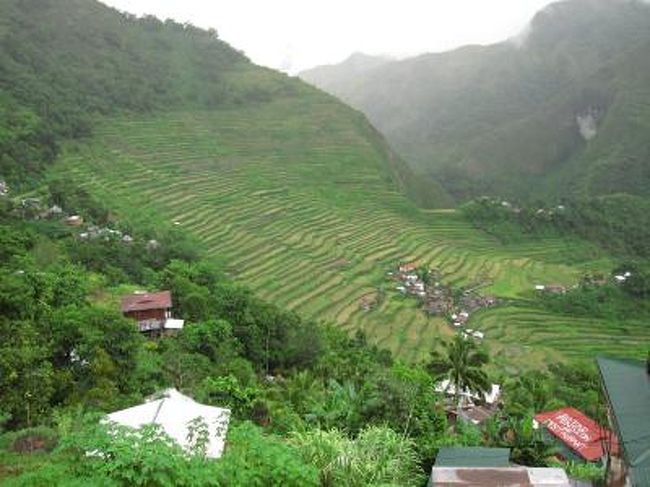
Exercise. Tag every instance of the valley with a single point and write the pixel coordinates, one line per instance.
(294, 206)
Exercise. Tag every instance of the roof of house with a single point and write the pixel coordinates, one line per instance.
(473, 457)
(627, 386)
(146, 301)
(498, 477)
(580, 433)
(174, 411)
(477, 414)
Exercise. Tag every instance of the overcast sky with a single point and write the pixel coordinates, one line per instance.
(293, 35)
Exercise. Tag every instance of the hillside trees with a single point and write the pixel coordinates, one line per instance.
(461, 362)
(64, 64)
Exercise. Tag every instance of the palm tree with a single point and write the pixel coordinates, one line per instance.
(461, 362)
(529, 447)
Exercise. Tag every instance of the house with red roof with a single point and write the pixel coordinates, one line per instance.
(152, 311)
(582, 437)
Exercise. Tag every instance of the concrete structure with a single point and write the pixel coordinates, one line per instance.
(498, 477)
(489, 467)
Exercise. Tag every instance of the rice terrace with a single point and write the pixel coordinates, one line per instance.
(305, 212)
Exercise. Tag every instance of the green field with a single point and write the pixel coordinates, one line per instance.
(295, 198)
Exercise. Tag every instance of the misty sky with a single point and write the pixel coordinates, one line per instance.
(297, 34)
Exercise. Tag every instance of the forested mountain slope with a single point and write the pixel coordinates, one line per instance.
(64, 63)
(562, 110)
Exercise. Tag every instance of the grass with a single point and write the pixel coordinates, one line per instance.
(297, 200)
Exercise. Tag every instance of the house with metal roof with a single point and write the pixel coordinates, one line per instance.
(580, 438)
(152, 311)
(626, 386)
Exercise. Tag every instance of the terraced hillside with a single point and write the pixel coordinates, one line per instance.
(520, 333)
(290, 194)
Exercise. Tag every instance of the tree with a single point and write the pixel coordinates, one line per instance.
(530, 394)
(528, 444)
(461, 362)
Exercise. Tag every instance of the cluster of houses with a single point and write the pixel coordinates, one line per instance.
(622, 449)
(438, 299)
(34, 208)
(619, 278)
(409, 281)
(94, 232)
(506, 205)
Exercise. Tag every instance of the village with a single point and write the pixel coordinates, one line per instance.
(437, 299)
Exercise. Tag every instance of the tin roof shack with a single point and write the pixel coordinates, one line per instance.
(626, 386)
(489, 467)
(152, 311)
(475, 408)
(581, 437)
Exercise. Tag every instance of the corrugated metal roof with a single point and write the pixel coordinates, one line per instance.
(627, 385)
(473, 457)
(579, 432)
(146, 301)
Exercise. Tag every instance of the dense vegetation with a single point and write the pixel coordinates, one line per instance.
(315, 394)
(617, 223)
(561, 111)
(54, 79)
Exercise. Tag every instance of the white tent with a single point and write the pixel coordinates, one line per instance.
(174, 412)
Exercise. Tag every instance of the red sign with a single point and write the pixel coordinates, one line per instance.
(580, 433)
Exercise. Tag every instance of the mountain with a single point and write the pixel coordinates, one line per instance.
(66, 63)
(336, 76)
(562, 110)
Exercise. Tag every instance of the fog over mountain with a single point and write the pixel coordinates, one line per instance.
(560, 110)
(293, 36)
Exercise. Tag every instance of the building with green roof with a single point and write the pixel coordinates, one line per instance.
(473, 457)
(626, 384)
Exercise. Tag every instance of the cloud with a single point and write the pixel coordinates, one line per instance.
(328, 31)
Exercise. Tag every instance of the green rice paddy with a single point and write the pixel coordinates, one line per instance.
(295, 197)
